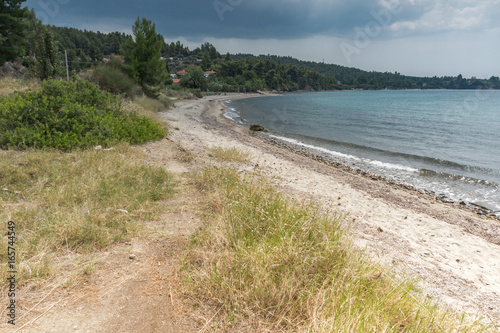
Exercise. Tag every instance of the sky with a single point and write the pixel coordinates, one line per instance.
(412, 37)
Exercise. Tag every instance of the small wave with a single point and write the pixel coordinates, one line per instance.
(231, 113)
(391, 166)
(379, 164)
(435, 162)
(459, 178)
(323, 150)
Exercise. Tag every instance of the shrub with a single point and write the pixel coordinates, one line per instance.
(111, 77)
(67, 115)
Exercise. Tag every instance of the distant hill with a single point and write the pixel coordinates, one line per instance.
(246, 71)
(354, 78)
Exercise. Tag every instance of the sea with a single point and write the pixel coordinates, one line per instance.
(445, 142)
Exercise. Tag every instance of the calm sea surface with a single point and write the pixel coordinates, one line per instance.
(445, 141)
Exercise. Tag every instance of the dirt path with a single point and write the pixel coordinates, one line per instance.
(134, 286)
(413, 234)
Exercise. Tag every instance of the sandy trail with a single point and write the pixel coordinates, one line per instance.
(455, 252)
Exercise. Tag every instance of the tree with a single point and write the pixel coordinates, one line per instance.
(143, 53)
(206, 63)
(46, 56)
(95, 52)
(13, 25)
(195, 79)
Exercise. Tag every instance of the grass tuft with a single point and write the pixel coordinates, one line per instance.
(272, 264)
(229, 154)
(9, 84)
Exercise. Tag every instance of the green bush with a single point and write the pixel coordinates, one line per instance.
(67, 115)
(111, 77)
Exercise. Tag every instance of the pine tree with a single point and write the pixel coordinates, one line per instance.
(142, 55)
(46, 56)
(13, 29)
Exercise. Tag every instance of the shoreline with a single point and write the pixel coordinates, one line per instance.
(454, 252)
(486, 215)
(311, 153)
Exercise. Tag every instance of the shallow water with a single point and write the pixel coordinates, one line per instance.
(445, 141)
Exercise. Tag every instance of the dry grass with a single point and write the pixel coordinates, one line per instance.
(76, 202)
(229, 154)
(10, 84)
(150, 107)
(273, 265)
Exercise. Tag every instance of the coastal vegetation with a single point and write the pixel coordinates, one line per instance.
(71, 204)
(70, 201)
(261, 259)
(68, 115)
(269, 262)
(13, 29)
(229, 154)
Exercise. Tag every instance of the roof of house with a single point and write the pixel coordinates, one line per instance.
(176, 81)
(210, 72)
(181, 72)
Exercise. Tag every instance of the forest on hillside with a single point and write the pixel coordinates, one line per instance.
(234, 72)
(266, 71)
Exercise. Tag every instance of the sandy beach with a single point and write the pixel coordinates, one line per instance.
(454, 252)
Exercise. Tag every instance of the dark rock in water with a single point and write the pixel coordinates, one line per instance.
(257, 128)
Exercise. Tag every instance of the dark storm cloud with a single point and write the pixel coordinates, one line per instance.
(279, 19)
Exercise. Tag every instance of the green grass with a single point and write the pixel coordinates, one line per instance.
(232, 154)
(76, 202)
(271, 264)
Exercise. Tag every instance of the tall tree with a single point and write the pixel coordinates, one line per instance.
(142, 54)
(46, 55)
(13, 28)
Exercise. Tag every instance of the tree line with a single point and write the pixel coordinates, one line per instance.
(354, 78)
(149, 59)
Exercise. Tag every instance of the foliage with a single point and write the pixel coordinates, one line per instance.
(143, 56)
(354, 78)
(67, 115)
(195, 78)
(271, 264)
(237, 72)
(12, 29)
(111, 77)
(78, 202)
(87, 47)
(46, 58)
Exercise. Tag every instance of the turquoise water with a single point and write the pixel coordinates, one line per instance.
(445, 141)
